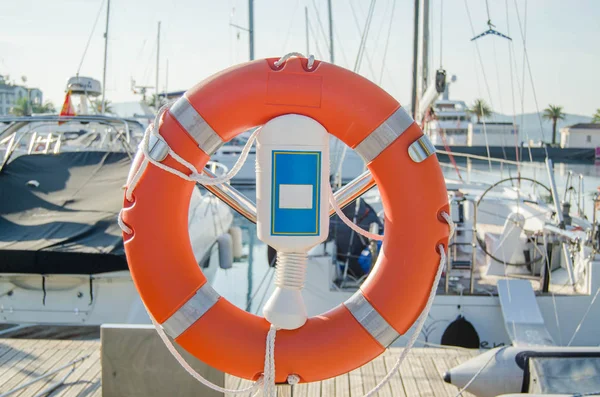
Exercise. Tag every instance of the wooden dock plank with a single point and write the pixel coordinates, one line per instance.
(395, 383)
(368, 377)
(299, 390)
(22, 360)
(342, 385)
(420, 376)
(19, 360)
(285, 391)
(63, 356)
(408, 379)
(328, 388)
(434, 376)
(314, 389)
(26, 369)
(380, 372)
(84, 376)
(442, 365)
(356, 383)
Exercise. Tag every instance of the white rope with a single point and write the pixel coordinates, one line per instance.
(192, 372)
(283, 59)
(348, 222)
(419, 325)
(583, 318)
(135, 179)
(370, 235)
(451, 224)
(267, 381)
(122, 224)
(195, 175)
(269, 389)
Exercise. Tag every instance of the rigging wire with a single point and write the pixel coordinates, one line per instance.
(312, 32)
(512, 89)
(381, 25)
(523, 67)
(441, 30)
(487, 86)
(387, 42)
(357, 24)
(338, 45)
(290, 25)
(526, 56)
(149, 65)
(487, 8)
(87, 45)
(320, 24)
(363, 40)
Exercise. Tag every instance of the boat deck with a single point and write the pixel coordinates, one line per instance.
(22, 360)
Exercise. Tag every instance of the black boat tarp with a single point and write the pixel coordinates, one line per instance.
(58, 213)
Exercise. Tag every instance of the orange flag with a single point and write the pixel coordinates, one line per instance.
(67, 109)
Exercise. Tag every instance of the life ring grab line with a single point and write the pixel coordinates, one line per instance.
(372, 310)
(188, 137)
(358, 305)
(293, 378)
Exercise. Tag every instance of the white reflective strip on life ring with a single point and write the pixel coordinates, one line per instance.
(371, 320)
(195, 125)
(191, 311)
(383, 136)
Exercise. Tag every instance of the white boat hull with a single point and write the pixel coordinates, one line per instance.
(82, 299)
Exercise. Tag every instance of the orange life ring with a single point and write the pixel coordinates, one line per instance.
(412, 189)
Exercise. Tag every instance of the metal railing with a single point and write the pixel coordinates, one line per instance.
(13, 139)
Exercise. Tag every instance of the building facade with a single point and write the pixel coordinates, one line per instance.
(493, 134)
(582, 135)
(10, 94)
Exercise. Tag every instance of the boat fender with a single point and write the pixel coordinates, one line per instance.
(236, 240)
(225, 245)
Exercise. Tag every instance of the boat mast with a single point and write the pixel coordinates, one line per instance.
(306, 28)
(251, 28)
(156, 101)
(415, 78)
(331, 54)
(425, 46)
(103, 106)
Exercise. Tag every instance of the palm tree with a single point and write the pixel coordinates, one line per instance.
(24, 108)
(480, 109)
(553, 113)
(21, 107)
(98, 106)
(152, 101)
(47, 107)
(596, 117)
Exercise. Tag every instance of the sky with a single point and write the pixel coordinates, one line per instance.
(45, 40)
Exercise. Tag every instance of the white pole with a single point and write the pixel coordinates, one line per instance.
(167, 79)
(102, 108)
(331, 57)
(251, 28)
(306, 27)
(156, 101)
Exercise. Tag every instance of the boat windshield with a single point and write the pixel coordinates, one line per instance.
(31, 135)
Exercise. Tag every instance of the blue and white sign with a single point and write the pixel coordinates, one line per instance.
(296, 179)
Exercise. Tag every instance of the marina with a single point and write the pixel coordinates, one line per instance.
(286, 225)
